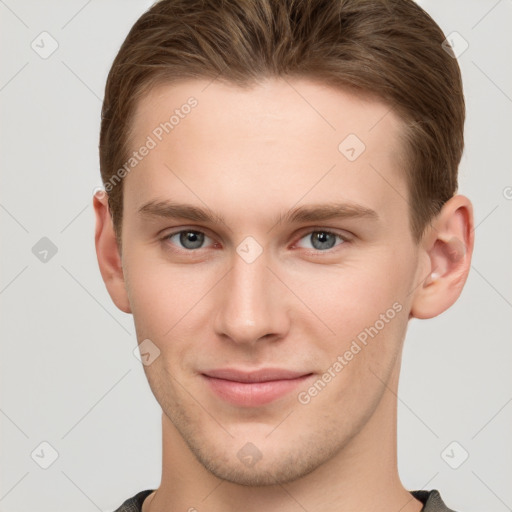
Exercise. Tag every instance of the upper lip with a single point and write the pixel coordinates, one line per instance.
(261, 375)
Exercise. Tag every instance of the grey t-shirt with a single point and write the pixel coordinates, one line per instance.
(431, 500)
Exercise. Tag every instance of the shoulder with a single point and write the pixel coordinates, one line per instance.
(432, 501)
(134, 504)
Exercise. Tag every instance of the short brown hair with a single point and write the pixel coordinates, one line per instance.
(390, 49)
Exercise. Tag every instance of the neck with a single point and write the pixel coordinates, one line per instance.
(362, 476)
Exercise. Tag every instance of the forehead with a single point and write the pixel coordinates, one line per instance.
(220, 144)
(272, 103)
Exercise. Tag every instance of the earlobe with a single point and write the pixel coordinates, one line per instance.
(107, 252)
(447, 248)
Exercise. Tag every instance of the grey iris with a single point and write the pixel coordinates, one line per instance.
(191, 239)
(320, 240)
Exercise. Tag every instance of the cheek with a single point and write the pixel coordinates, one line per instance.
(369, 322)
(352, 297)
(164, 297)
(153, 301)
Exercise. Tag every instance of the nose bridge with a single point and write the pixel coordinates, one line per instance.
(249, 304)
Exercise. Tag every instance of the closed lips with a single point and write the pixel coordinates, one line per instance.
(262, 375)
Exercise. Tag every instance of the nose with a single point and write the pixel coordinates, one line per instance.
(252, 303)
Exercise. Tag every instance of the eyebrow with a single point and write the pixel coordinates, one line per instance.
(308, 213)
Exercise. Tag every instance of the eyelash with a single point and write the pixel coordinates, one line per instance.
(345, 239)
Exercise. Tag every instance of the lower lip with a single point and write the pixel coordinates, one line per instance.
(253, 394)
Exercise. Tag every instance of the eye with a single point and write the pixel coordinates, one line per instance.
(322, 240)
(188, 238)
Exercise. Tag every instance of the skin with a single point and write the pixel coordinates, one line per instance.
(251, 155)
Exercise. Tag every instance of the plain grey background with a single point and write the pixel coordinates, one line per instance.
(68, 374)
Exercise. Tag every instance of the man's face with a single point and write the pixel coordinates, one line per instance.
(259, 290)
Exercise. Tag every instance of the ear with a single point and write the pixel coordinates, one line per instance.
(446, 250)
(107, 251)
